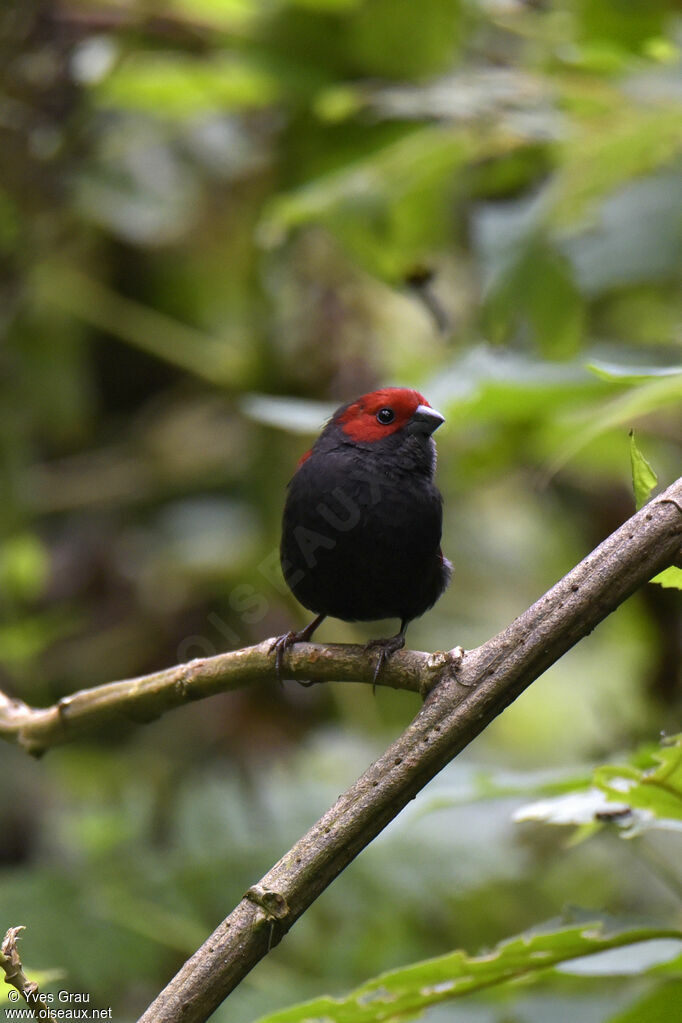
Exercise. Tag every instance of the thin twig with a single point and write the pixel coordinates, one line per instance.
(10, 962)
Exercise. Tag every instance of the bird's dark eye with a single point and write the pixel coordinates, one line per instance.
(385, 416)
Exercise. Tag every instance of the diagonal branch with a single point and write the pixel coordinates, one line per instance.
(469, 694)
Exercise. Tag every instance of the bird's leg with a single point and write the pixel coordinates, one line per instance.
(386, 648)
(282, 643)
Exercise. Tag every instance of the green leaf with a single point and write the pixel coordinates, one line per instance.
(656, 789)
(669, 578)
(631, 374)
(644, 793)
(403, 993)
(644, 479)
(642, 957)
(172, 85)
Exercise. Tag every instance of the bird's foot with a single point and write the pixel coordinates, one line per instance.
(280, 647)
(386, 648)
(283, 643)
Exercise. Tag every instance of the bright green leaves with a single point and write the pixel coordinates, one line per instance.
(644, 480)
(403, 993)
(644, 793)
(654, 787)
(179, 86)
(669, 578)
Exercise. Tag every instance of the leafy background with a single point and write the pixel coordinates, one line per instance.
(214, 219)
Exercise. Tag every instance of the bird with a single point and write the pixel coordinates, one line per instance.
(362, 520)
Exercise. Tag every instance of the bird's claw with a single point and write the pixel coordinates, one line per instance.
(283, 643)
(386, 648)
(280, 647)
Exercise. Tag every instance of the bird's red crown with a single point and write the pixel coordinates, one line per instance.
(380, 413)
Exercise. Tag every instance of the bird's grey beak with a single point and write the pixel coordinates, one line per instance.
(425, 420)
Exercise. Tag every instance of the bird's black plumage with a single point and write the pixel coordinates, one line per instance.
(362, 520)
(362, 528)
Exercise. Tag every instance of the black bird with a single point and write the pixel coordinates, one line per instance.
(362, 521)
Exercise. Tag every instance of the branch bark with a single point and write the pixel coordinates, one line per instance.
(10, 963)
(469, 693)
(141, 700)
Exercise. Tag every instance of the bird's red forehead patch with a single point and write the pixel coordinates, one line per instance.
(359, 420)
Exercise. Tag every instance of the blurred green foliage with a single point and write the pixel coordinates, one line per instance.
(219, 219)
(404, 993)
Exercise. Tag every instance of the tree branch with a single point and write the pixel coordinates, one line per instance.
(10, 963)
(144, 699)
(469, 694)
(465, 695)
